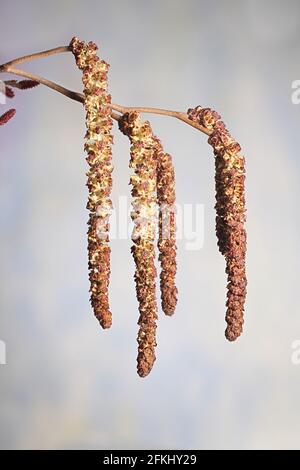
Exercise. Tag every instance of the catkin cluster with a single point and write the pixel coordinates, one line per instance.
(98, 143)
(7, 116)
(230, 213)
(153, 182)
(153, 198)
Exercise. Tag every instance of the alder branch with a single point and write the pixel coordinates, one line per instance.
(44, 81)
(8, 67)
(164, 112)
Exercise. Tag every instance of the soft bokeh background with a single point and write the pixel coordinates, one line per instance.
(67, 384)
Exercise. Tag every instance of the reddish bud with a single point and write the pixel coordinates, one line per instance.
(26, 84)
(9, 92)
(7, 116)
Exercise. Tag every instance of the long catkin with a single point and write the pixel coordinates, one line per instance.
(98, 146)
(144, 163)
(230, 213)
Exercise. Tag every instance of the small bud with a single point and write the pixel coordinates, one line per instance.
(9, 92)
(26, 84)
(22, 84)
(7, 116)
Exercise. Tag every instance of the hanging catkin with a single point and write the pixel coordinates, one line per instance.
(230, 213)
(167, 230)
(98, 142)
(144, 163)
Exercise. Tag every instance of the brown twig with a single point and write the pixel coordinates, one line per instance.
(44, 81)
(9, 68)
(37, 55)
(164, 112)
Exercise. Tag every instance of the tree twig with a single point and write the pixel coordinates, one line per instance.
(165, 112)
(37, 55)
(9, 68)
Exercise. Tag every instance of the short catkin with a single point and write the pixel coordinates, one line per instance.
(143, 161)
(98, 146)
(230, 213)
(153, 197)
(167, 230)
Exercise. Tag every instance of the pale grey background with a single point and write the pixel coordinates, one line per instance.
(67, 384)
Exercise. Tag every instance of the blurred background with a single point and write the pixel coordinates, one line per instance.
(67, 384)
